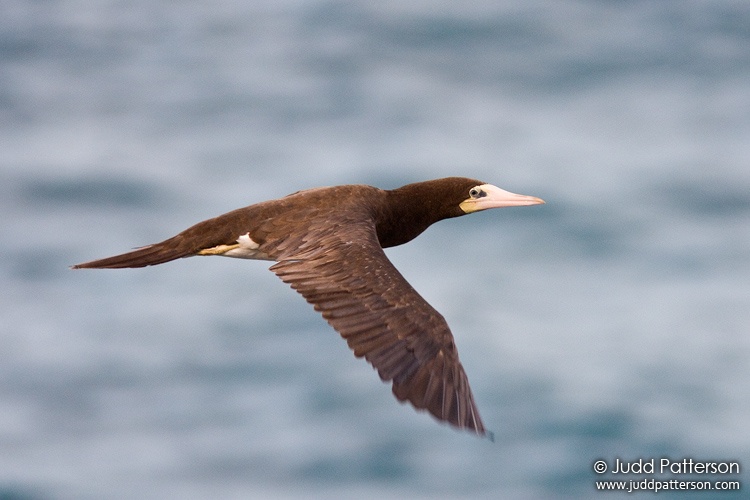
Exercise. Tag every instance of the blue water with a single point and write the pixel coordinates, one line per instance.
(612, 322)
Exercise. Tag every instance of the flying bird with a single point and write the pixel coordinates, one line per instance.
(327, 243)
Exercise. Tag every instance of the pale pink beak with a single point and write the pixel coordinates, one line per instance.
(493, 197)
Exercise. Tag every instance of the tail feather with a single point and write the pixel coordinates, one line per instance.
(222, 230)
(141, 257)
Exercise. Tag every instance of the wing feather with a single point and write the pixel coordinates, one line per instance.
(347, 277)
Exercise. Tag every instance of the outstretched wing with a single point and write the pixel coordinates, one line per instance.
(348, 278)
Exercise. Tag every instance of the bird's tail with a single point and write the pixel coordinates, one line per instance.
(150, 255)
(210, 237)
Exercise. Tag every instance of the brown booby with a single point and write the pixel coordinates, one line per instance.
(328, 245)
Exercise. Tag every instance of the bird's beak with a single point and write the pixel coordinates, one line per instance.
(494, 197)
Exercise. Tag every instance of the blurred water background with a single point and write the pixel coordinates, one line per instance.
(610, 323)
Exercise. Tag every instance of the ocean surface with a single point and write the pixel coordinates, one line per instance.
(611, 323)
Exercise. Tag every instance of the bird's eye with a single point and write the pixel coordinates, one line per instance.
(476, 193)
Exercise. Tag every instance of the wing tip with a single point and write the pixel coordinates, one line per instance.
(490, 435)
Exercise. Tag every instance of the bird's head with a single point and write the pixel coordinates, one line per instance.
(414, 207)
(479, 196)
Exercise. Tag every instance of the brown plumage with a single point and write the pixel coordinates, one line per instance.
(328, 245)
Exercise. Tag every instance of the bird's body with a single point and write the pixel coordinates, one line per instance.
(328, 245)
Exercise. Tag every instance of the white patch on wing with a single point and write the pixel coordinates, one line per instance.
(246, 241)
(247, 249)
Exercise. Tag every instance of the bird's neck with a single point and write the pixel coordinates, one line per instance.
(406, 215)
